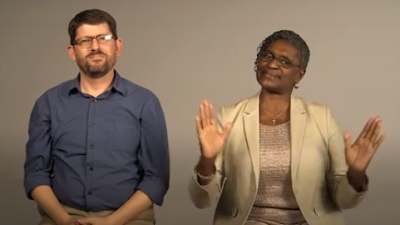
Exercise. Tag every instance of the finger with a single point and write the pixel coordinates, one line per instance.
(87, 221)
(370, 132)
(379, 141)
(207, 112)
(205, 118)
(202, 116)
(365, 129)
(347, 141)
(227, 129)
(198, 125)
(212, 115)
(83, 221)
(376, 130)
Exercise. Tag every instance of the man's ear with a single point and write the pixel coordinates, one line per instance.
(119, 46)
(71, 52)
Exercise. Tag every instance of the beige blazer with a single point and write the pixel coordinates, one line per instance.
(318, 165)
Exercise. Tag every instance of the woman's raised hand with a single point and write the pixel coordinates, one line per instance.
(211, 140)
(360, 153)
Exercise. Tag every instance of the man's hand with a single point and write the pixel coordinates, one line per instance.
(95, 221)
(69, 221)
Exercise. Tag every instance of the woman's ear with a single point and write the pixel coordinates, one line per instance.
(301, 75)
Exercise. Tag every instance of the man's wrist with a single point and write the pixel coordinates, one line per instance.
(66, 219)
(111, 219)
(62, 218)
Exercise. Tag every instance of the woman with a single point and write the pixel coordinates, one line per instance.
(279, 159)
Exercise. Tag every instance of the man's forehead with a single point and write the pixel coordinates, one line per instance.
(92, 30)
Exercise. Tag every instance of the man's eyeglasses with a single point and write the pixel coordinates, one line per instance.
(87, 41)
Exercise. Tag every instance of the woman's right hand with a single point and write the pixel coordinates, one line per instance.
(211, 140)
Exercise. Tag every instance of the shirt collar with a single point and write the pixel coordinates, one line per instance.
(117, 84)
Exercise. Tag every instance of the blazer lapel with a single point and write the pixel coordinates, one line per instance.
(297, 129)
(251, 120)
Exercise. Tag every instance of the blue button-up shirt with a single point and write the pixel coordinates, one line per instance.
(96, 152)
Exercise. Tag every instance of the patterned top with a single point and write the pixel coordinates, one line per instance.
(275, 203)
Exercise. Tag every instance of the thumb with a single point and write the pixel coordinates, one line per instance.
(227, 130)
(347, 141)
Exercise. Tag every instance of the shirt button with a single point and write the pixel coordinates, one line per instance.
(95, 100)
(93, 123)
(89, 193)
(91, 168)
(92, 146)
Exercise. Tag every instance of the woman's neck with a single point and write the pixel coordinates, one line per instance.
(274, 103)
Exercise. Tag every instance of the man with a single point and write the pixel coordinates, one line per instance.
(97, 151)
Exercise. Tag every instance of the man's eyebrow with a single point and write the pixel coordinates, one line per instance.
(88, 36)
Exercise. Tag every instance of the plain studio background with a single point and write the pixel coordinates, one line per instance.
(185, 51)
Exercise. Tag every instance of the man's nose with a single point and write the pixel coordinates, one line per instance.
(95, 44)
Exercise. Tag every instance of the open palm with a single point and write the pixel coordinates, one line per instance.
(359, 154)
(211, 139)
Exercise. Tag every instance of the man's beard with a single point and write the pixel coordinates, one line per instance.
(95, 69)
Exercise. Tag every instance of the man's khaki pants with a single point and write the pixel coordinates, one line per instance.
(146, 218)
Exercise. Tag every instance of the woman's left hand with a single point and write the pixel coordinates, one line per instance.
(359, 154)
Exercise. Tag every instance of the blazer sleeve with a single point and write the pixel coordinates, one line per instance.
(204, 196)
(344, 195)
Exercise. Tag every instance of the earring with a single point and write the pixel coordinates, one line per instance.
(296, 85)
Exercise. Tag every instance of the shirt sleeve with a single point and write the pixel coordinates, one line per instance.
(154, 152)
(38, 165)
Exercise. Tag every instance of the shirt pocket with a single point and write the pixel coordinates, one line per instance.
(123, 135)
